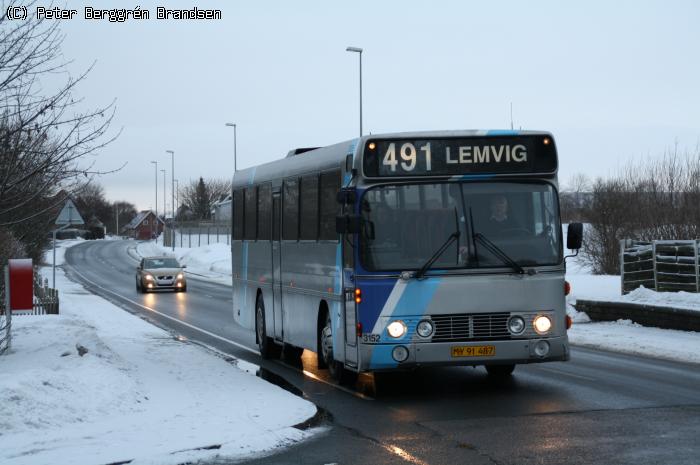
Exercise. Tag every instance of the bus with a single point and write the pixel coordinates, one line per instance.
(395, 251)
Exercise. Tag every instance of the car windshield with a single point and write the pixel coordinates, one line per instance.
(404, 225)
(153, 263)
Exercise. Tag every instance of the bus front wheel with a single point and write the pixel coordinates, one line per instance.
(267, 347)
(335, 368)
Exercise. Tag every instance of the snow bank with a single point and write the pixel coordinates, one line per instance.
(631, 338)
(137, 394)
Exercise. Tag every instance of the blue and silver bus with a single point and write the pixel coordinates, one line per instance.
(396, 251)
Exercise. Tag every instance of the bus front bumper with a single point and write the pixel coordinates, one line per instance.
(381, 357)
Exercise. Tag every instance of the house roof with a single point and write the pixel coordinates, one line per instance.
(138, 219)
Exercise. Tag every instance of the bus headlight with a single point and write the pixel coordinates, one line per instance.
(516, 325)
(542, 324)
(424, 328)
(396, 329)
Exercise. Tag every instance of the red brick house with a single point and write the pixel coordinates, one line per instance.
(144, 226)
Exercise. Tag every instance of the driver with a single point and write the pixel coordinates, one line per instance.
(499, 220)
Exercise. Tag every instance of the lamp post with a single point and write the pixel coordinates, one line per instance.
(233, 125)
(359, 52)
(177, 195)
(172, 188)
(156, 204)
(164, 210)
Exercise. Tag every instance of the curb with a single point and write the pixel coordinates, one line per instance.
(645, 315)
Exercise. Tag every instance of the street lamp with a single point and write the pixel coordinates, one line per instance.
(156, 204)
(233, 125)
(177, 195)
(172, 188)
(164, 210)
(358, 51)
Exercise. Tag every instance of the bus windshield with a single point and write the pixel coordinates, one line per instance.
(404, 225)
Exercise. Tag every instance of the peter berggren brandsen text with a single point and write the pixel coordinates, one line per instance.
(121, 15)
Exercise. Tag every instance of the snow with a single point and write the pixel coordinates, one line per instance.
(137, 394)
(623, 335)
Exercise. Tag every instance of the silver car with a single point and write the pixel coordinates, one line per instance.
(155, 273)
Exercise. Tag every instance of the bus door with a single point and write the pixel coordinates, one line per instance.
(277, 266)
(349, 307)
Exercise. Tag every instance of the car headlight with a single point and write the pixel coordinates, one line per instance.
(180, 276)
(396, 329)
(424, 328)
(542, 324)
(148, 277)
(516, 325)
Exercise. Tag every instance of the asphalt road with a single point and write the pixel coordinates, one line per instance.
(600, 407)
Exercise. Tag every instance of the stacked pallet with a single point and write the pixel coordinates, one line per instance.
(666, 266)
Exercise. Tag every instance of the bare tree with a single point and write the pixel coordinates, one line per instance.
(45, 138)
(574, 196)
(654, 199)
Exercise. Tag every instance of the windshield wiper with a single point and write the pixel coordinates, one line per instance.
(453, 237)
(495, 250)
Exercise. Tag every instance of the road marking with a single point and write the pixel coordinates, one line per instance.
(221, 338)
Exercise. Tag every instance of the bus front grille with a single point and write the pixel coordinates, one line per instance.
(470, 326)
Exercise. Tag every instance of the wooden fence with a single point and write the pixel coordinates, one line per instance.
(46, 300)
(666, 266)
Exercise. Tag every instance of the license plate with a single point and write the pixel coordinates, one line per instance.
(473, 351)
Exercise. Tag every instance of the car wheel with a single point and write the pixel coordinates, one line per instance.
(500, 371)
(267, 347)
(139, 290)
(335, 368)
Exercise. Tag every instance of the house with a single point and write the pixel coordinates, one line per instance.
(221, 210)
(144, 226)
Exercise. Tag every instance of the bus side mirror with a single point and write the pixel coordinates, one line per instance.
(574, 236)
(347, 224)
(346, 196)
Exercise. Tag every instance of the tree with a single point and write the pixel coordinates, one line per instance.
(198, 197)
(91, 202)
(44, 136)
(123, 210)
(655, 199)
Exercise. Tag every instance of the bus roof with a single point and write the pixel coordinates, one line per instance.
(300, 161)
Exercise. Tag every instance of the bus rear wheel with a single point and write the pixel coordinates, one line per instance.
(500, 371)
(336, 369)
(267, 347)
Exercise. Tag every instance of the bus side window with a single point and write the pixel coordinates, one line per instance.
(330, 208)
(264, 211)
(238, 214)
(308, 208)
(290, 210)
(250, 213)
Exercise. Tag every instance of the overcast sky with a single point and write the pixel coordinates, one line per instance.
(610, 80)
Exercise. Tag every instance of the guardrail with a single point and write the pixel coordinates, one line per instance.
(660, 265)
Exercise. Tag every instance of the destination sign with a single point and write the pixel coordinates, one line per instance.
(460, 156)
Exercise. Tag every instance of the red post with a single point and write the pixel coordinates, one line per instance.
(21, 284)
